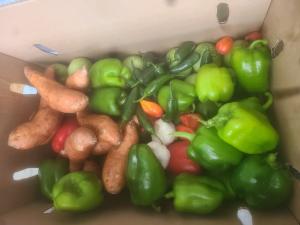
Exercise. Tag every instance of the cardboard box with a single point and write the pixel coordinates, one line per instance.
(97, 28)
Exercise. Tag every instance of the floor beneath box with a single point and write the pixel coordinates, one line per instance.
(121, 212)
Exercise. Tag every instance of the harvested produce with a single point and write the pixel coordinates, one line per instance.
(180, 161)
(77, 192)
(77, 64)
(197, 194)
(193, 124)
(214, 84)
(79, 80)
(146, 179)
(109, 72)
(224, 45)
(80, 143)
(61, 72)
(161, 152)
(184, 92)
(191, 120)
(61, 134)
(92, 166)
(164, 131)
(37, 131)
(151, 108)
(106, 130)
(114, 168)
(255, 35)
(236, 44)
(211, 152)
(262, 182)
(208, 54)
(252, 66)
(56, 96)
(75, 166)
(50, 171)
(107, 100)
(245, 128)
(207, 109)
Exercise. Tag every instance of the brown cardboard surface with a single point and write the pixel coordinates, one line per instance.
(287, 112)
(121, 212)
(283, 22)
(14, 110)
(295, 203)
(97, 27)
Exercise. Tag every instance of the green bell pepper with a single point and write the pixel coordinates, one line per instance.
(252, 66)
(254, 103)
(61, 72)
(134, 62)
(185, 94)
(78, 64)
(77, 192)
(191, 79)
(236, 44)
(207, 109)
(210, 151)
(245, 128)
(50, 171)
(107, 100)
(199, 195)
(261, 182)
(214, 83)
(109, 72)
(146, 179)
(208, 54)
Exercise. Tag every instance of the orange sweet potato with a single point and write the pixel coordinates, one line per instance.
(114, 168)
(79, 80)
(57, 96)
(107, 131)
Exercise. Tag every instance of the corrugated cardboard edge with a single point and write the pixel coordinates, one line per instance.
(283, 23)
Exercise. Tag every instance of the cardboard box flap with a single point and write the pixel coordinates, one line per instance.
(120, 211)
(93, 28)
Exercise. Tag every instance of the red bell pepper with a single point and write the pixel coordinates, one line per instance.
(67, 127)
(179, 160)
(255, 35)
(190, 120)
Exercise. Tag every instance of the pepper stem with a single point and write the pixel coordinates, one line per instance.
(257, 42)
(272, 160)
(186, 135)
(269, 101)
(215, 121)
(169, 195)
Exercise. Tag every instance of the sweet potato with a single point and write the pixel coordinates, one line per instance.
(37, 131)
(92, 166)
(80, 143)
(79, 80)
(57, 96)
(41, 126)
(107, 131)
(75, 166)
(114, 168)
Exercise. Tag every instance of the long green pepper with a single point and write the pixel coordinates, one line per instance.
(130, 105)
(155, 85)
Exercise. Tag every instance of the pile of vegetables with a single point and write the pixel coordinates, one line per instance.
(190, 125)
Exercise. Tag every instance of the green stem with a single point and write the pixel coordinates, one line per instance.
(269, 101)
(169, 195)
(257, 42)
(215, 121)
(272, 160)
(186, 135)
